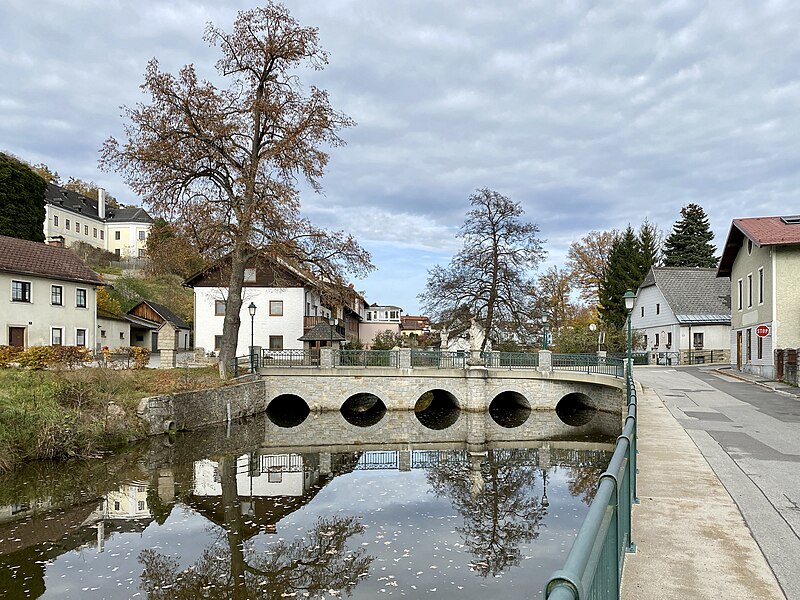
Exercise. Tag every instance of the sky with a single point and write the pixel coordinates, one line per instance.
(590, 114)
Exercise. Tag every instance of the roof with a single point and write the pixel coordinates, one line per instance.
(87, 207)
(38, 259)
(322, 332)
(695, 295)
(165, 313)
(762, 231)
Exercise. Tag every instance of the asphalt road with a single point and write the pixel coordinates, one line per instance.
(750, 437)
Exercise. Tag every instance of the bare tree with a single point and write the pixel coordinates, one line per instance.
(224, 163)
(490, 277)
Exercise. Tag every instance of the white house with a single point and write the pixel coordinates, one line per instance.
(47, 296)
(287, 305)
(378, 319)
(71, 217)
(684, 315)
(761, 267)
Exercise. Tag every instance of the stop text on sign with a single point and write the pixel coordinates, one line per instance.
(762, 330)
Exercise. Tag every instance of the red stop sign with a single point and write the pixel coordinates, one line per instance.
(762, 330)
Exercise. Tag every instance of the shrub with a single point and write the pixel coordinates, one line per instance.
(8, 354)
(70, 356)
(140, 357)
(36, 357)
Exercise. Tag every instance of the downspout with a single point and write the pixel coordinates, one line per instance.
(774, 321)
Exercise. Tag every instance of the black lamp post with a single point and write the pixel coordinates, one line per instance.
(252, 309)
(629, 297)
(545, 318)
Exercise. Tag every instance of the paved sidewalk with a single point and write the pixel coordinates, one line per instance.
(692, 541)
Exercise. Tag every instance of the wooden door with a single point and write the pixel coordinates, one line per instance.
(739, 350)
(16, 337)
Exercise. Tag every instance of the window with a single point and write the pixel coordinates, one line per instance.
(102, 234)
(102, 333)
(739, 296)
(393, 314)
(749, 290)
(20, 291)
(760, 347)
(77, 227)
(276, 342)
(217, 342)
(669, 339)
(658, 308)
(80, 337)
(219, 308)
(116, 505)
(369, 316)
(55, 220)
(80, 298)
(122, 335)
(697, 340)
(56, 295)
(141, 252)
(249, 275)
(276, 308)
(142, 234)
(645, 340)
(140, 505)
(116, 251)
(140, 337)
(66, 224)
(56, 336)
(761, 285)
(116, 235)
(274, 475)
(657, 341)
(643, 311)
(94, 231)
(85, 230)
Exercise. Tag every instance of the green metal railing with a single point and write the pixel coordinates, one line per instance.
(589, 363)
(289, 358)
(242, 365)
(511, 360)
(438, 359)
(593, 568)
(366, 358)
(637, 358)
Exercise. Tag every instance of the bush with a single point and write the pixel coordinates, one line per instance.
(140, 357)
(36, 357)
(8, 354)
(70, 356)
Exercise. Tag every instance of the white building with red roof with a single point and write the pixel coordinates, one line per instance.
(762, 259)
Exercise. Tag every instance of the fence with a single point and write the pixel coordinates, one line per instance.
(593, 568)
(637, 358)
(438, 360)
(511, 360)
(589, 363)
(289, 358)
(366, 358)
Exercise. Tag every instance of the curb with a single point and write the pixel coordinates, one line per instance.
(762, 384)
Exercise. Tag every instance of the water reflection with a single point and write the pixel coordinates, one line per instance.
(263, 511)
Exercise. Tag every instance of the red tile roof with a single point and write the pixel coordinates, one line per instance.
(34, 258)
(769, 231)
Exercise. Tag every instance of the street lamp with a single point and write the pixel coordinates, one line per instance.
(629, 297)
(252, 309)
(332, 322)
(545, 317)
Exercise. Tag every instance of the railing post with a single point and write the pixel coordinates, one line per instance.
(545, 360)
(326, 358)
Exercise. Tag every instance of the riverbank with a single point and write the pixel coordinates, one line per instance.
(56, 414)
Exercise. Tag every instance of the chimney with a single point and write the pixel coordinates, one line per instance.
(101, 203)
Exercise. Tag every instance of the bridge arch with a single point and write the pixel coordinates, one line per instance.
(510, 409)
(437, 409)
(363, 409)
(287, 410)
(576, 409)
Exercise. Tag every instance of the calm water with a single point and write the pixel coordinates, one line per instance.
(325, 508)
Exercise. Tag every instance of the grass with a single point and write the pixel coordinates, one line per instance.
(67, 413)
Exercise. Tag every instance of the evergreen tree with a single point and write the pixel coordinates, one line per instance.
(21, 200)
(689, 244)
(623, 272)
(650, 242)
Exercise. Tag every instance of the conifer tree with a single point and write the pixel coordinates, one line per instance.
(623, 272)
(22, 211)
(689, 244)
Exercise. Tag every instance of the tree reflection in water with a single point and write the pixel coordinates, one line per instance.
(494, 493)
(320, 564)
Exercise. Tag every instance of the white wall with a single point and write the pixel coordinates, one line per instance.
(112, 329)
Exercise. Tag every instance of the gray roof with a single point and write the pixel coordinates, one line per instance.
(87, 207)
(322, 332)
(694, 295)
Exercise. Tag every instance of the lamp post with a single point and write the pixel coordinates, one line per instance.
(252, 309)
(629, 299)
(545, 318)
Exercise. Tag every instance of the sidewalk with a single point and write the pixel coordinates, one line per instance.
(769, 384)
(691, 539)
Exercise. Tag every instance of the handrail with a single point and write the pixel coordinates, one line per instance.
(593, 568)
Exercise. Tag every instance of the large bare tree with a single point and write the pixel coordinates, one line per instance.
(490, 277)
(223, 163)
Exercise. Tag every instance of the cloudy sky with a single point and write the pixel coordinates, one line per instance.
(590, 114)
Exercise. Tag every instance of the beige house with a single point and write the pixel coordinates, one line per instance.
(72, 217)
(47, 296)
(762, 260)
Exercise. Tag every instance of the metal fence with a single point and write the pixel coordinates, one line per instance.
(438, 359)
(637, 358)
(589, 363)
(366, 358)
(289, 358)
(593, 568)
(511, 360)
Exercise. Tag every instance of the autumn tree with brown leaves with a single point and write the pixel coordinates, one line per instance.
(587, 259)
(222, 164)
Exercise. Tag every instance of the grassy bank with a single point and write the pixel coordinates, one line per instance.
(58, 414)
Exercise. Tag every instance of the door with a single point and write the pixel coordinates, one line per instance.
(154, 343)
(739, 350)
(16, 337)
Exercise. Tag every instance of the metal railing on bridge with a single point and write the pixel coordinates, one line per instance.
(510, 360)
(593, 568)
(438, 359)
(366, 358)
(589, 363)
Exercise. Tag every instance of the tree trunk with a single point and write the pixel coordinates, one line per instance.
(233, 307)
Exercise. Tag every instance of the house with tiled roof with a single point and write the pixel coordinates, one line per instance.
(684, 315)
(149, 317)
(47, 296)
(761, 265)
(71, 217)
